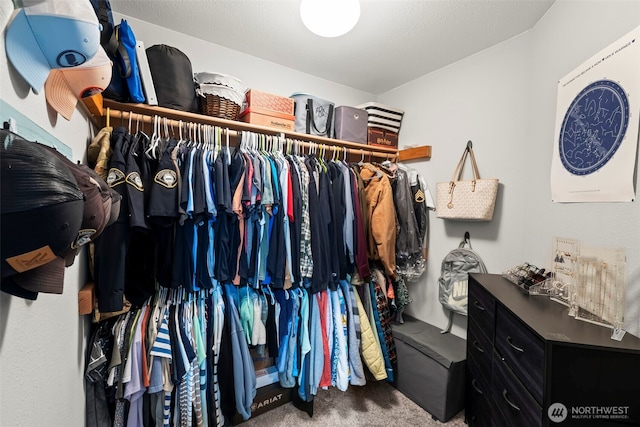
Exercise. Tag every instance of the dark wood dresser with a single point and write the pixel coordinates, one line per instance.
(530, 364)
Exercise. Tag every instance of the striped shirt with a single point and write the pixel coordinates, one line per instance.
(162, 344)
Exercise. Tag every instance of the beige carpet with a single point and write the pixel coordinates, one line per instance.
(376, 404)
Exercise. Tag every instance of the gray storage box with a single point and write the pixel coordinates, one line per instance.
(431, 367)
(351, 124)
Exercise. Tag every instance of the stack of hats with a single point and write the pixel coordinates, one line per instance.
(58, 42)
(50, 207)
(215, 89)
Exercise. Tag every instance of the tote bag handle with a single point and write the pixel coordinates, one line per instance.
(311, 121)
(457, 173)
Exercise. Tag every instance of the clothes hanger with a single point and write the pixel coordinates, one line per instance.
(206, 141)
(288, 146)
(166, 128)
(173, 129)
(180, 132)
(241, 142)
(281, 147)
(226, 132)
(323, 160)
(387, 163)
(372, 168)
(155, 137)
(213, 143)
(198, 134)
(218, 140)
(270, 293)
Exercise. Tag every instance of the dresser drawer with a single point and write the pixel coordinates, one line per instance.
(512, 399)
(478, 409)
(480, 348)
(482, 308)
(522, 350)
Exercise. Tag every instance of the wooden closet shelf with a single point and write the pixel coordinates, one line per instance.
(104, 110)
(415, 153)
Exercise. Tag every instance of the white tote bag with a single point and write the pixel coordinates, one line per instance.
(472, 200)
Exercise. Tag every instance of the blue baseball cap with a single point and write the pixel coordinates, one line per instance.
(49, 35)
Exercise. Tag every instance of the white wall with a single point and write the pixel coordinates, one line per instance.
(504, 100)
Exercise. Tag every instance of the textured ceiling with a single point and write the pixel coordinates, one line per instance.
(394, 42)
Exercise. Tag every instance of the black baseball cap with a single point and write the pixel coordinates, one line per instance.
(41, 210)
(98, 204)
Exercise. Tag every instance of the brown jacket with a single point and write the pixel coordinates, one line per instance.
(382, 218)
(99, 152)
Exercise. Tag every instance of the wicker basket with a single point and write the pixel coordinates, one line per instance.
(216, 106)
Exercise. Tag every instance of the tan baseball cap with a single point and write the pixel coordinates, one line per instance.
(65, 86)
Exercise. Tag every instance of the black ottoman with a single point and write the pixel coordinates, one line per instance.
(430, 368)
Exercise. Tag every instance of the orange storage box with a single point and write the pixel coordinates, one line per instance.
(269, 102)
(261, 117)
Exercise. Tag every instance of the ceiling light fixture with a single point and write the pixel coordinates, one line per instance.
(330, 18)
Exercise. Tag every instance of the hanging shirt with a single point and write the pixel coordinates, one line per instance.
(295, 222)
(134, 389)
(306, 260)
(348, 223)
(112, 245)
(356, 370)
(340, 350)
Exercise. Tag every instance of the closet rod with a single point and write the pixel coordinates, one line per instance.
(146, 113)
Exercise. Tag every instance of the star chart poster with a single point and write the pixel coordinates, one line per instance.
(596, 134)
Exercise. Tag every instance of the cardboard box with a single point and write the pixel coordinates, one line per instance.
(267, 398)
(382, 137)
(270, 103)
(258, 116)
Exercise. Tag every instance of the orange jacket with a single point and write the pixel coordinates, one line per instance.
(382, 218)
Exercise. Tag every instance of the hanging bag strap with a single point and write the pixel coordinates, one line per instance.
(108, 38)
(457, 173)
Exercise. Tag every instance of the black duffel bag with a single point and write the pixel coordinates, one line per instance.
(172, 78)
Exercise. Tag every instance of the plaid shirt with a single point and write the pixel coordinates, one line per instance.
(306, 262)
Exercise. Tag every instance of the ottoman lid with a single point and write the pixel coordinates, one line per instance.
(445, 349)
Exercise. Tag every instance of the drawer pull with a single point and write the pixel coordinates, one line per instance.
(473, 383)
(476, 344)
(506, 398)
(477, 304)
(515, 347)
